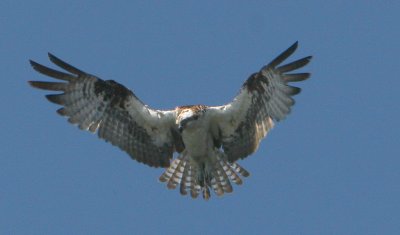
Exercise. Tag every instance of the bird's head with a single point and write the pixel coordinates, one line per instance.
(189, 118)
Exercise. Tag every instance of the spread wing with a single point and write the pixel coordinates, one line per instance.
(112, 110)
(264, 97)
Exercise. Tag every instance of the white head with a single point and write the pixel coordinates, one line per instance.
(190, 116)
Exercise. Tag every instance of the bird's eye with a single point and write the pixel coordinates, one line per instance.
(196, 117)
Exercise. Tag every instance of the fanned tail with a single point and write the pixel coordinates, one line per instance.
(216, 174)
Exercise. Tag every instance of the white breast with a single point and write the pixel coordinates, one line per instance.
(196, 141)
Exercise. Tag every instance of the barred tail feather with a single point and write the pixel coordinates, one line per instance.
(217, 175)
(177, 175)
(182, 173)
(222, 183)
(239, 169)
(232, 174)
(186, 179)
(169, 175)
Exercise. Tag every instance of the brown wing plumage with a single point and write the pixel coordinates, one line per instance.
(112, 110)
(264, 97)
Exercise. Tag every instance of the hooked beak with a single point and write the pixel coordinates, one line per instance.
(182, 125)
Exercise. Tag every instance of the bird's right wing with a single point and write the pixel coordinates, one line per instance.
(112, 110)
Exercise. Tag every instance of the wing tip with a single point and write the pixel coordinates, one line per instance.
(52, 57)
(308, 58)
(294, 90)
(64, 65)
(32, 83)
(34, 64)
(296, 77)
(55, 98)
(294, 46)
(283, 56)
(37, 84)
(52, 86)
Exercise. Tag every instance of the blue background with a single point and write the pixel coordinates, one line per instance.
(332, 167)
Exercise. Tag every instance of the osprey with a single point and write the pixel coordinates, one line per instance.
(209, 140)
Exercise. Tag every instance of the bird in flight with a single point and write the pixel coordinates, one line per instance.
(209, 140)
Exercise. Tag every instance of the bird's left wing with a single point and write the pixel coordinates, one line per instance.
(263, 98)
(112, 110)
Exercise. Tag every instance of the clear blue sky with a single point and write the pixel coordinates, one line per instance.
(332, 167)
